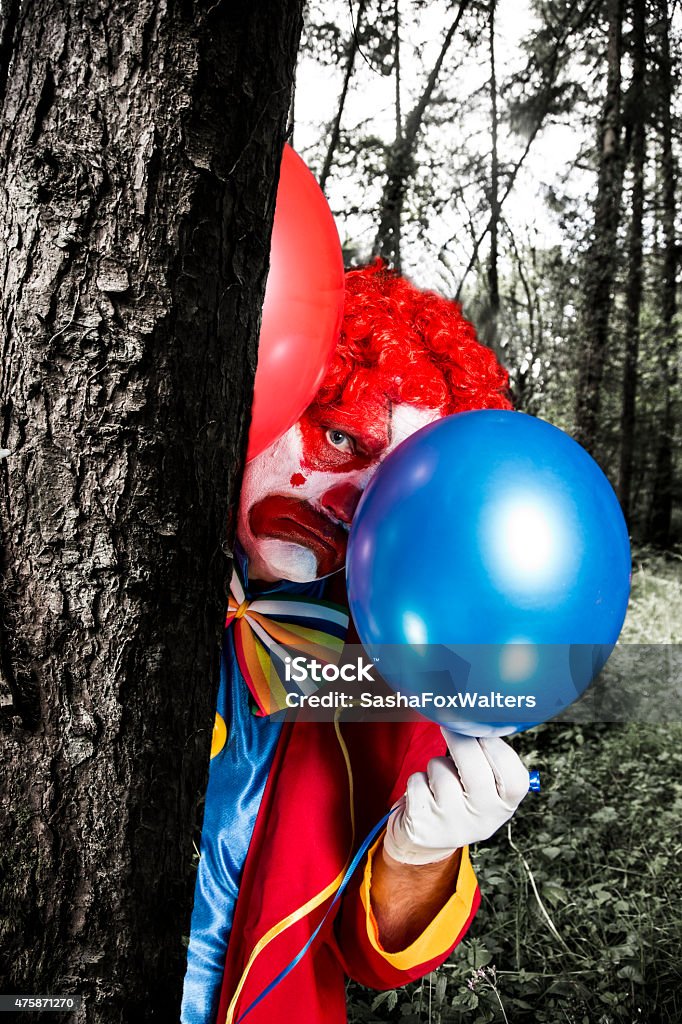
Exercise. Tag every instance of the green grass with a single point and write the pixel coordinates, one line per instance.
(655, 610)
(581, 916)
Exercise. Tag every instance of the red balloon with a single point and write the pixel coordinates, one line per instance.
(303, 305)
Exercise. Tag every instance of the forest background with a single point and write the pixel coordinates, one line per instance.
(522, 157)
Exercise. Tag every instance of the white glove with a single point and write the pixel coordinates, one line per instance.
(458, 800)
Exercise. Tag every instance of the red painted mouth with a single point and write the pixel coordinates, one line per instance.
(290, 519)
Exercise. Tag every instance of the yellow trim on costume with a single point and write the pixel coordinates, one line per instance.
(440, 933)
(312, 903)
(219, 735)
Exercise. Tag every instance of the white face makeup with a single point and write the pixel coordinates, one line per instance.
(298, 497)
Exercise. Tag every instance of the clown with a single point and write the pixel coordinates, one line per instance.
(288, 803)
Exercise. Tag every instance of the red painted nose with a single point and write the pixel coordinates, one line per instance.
(341, 501)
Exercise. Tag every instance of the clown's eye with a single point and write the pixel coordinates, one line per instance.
(337, 438)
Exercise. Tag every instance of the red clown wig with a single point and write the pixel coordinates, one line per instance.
(415, 345)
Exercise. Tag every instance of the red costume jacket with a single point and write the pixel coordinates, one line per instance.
(327, 787)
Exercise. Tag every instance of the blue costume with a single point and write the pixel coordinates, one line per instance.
(237, 777)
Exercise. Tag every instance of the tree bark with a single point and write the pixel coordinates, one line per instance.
(633, 288)
(140, 147)
(660, 513)
(600, 264)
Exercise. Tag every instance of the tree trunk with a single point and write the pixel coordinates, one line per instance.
(490, 333)
(393, 221)
(663, 484)
(335, 133)
(600, 265)
(633, 288)
(551, 65)
(400, 161)
(396, 75)
(140, 147)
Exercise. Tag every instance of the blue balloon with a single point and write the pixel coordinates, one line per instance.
(489, 561)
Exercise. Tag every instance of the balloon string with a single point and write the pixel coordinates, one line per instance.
(364, 847)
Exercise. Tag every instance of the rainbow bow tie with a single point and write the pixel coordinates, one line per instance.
(268, 630)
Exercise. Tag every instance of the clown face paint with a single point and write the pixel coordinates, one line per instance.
(298, 497)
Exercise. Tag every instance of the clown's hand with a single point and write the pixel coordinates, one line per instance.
(459, 800)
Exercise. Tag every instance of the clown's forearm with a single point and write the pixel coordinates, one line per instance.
(460, 799)
(406, 897)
